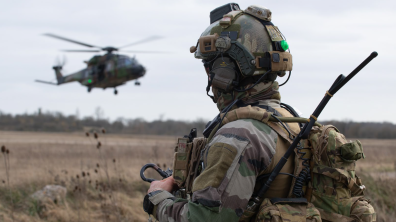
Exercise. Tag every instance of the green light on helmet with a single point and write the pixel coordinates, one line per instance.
(284, 45)
(89, 81)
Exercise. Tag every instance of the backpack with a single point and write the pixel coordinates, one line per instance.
(335, 189)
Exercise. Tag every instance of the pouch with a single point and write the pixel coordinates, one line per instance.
(282, 212)
(363, 210)
(352, 151)
(180, 162)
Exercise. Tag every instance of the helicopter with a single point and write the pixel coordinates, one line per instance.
(103, 71)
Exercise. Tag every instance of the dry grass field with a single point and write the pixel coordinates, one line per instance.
(103, 182)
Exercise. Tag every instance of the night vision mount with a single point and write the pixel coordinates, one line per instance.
(214, 45)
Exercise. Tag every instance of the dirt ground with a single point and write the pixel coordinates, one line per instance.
(37, 159)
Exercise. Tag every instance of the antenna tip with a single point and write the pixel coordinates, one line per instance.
(374, 54)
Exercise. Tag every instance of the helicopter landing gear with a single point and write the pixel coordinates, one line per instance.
(89, 89)
(137, 83)
(115, 91)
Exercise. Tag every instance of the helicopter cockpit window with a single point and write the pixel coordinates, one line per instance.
(120, 62)
(124, 61)
(128, 62)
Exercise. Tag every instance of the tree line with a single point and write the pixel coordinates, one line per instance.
(58, 122)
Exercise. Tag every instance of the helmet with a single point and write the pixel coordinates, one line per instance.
(243, 47)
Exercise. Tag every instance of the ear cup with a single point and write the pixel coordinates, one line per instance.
(224, 70)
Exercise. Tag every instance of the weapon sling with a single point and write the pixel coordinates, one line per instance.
(338, 84)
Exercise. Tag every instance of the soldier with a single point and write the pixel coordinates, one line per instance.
(243, 151)
(243, 54)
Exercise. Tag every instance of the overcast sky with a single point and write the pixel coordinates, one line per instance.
(326, 38)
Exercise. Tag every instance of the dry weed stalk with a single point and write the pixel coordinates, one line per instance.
(6, 154)
(105, 190)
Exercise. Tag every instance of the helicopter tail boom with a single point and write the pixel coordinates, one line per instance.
(58, 74)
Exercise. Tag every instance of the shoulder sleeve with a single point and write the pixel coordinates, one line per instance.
(239, 151)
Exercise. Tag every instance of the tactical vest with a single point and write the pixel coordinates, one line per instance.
(334, 189)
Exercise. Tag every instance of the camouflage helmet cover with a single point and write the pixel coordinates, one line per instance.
(252, 34)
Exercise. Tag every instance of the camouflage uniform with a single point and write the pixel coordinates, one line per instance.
(239, 152)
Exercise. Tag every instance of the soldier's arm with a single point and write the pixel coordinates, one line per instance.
(238, 152)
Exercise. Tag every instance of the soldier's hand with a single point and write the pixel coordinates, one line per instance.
(167, 184)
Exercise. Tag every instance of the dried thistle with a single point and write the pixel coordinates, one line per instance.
(114, 160)
(96, 171)
(77, 176)
(99, 145)
(95, 135)
(3, 149)
(3, 181)
(76, 188)
(103, 131)
(120, 180)
(87, 134)
(164, 165)
(7, 151)
(97, 165)
(87, 173)
(83, 174)
(89, 181)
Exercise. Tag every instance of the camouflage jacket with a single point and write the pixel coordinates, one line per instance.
(239, 152)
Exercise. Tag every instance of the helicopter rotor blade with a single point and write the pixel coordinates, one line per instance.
(78, 50)
(70, 40)
(133, 51)
(151, 38)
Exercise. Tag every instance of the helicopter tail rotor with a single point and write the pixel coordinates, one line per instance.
(60, 61)
(58, 74)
